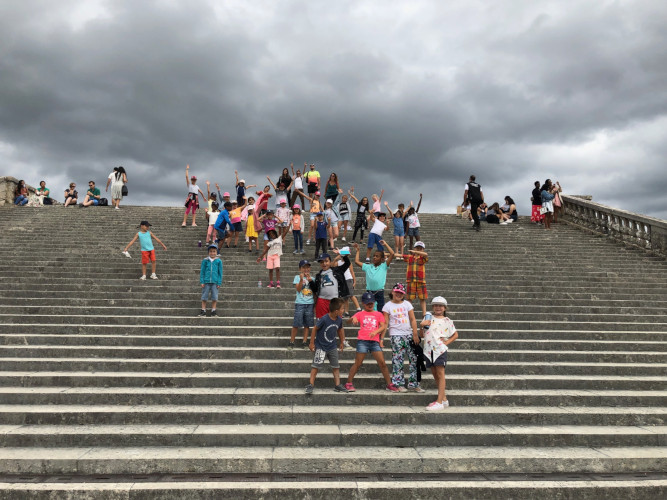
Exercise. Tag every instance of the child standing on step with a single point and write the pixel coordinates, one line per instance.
(304, 304)
(212, 217)
(376, 272)
(372, 328)
(297, 228)
(145, 237)
(210, 278)
(399, 229)
(323, 344)
(415, 275)
(438, 333)
(192, 201)
(412, 220)
(251, 229)
(273, 251)
(400, 316)
(375, 236)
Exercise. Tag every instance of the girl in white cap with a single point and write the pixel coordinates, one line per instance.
(438, 332)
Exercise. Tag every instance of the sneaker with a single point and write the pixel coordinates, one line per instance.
(270, 285)
(504, 223)
(401, 389)
(127, 254)
(307, 242)
(347, 344)
(153, 276)
(202, 313)
(358, 309)
(343, 238)
(277, 284)
(309, 389)
(350, 387)
(435, 406)
(509, 221)
(302, 252)
(392, 388)
(295, 252)
(368, 259)
(416, 389)
(143, 277)
(305, 345)
(214, 313)
(346, 315)
(340, 388)
(116, 208)
(290, 345)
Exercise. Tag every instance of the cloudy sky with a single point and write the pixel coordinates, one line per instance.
(409, 96)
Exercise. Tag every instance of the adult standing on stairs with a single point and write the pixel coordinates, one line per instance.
(117, 179)
(473, 194)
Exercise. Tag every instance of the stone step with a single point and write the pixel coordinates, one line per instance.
(513, 436)
(368, 377)
(308, 414)
(362, 459)
(323, 395)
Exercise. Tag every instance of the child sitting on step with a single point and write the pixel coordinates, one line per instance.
(145, 237)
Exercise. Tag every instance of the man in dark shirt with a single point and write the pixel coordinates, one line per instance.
(473, 195)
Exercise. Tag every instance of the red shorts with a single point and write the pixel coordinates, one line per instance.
(147, 256)
(321, 308)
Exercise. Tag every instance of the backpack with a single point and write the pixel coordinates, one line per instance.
(104, 202)
(474, 192)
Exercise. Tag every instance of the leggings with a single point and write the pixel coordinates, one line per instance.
(298, 239)
(357, 228)
(320, 242)
(209, 233)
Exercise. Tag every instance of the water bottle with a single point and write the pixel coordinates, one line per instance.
(427, 317)
(199, 243)
(259, 284)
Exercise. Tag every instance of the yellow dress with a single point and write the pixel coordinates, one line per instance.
(250, 227)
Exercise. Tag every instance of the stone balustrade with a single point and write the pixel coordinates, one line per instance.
(642, 231)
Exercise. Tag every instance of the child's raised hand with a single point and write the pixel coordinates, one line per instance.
(217, 186)
(208, 183)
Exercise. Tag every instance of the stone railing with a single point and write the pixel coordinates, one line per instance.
(637, 230)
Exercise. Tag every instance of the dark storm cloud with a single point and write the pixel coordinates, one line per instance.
(409, 96)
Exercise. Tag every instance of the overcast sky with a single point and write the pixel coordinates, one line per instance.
(410, 96)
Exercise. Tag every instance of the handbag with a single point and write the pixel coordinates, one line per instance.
(123, 190)
(543, 210)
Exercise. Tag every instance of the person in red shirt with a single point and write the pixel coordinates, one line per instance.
(416, 274)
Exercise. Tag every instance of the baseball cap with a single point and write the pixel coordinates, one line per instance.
(234, 202)
(323, 256)
(269, 212)
(251, 207)
(399, 287)
(145, 223)
(225, 194)
(193, 178)
(345, 251)
(330, 201)
(283, 200)
(317, 193)
(439, 300)
(241, 181)
(296, 205)
(304, 262)
(213, 245)
(419, 244)
(319, 213)
(367, 298)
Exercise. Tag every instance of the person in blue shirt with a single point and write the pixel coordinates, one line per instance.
(320, 234)
(210, 278)
(323, 344)
(145, 237)
(221, 224)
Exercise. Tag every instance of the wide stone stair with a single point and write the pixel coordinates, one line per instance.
(111, 387)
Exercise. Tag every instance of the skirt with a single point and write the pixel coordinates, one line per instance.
(535, 215)
(548, 207)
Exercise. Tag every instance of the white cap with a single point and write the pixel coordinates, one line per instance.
(439, 301)
(419, 244)
(330, 201)
(241, 181)
(251, 207)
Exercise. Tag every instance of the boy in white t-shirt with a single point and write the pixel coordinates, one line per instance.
(378, 220)
(438, 333)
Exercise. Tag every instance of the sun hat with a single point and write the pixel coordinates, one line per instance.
(283, 200)
(399, 287)
(330, 201)
(317, 193)
(367, 298)
(439, 301)
(193, 178)
(145, 223)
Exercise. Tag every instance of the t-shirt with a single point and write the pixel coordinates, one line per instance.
(328, 285)
(72, 193)
(305, 296)
(327, 331)
(376, 206)
(399, 318)
(212, 217)
(330, 215)
(368, 323)
(378, 227)
(240, 192)
(439, 332)
(263, 201)
(95, 191)
(235, 215)
(376, 276)
(298, 183)
(145, 241)
(193, 188)
(280, 194)
(283, 214)
(343, 209)
(413, 221)
(321, 231)
(315, 206)
(269, 224)
(296, 222)
(312, 176)
(275, 247)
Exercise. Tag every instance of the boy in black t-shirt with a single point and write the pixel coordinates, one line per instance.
(323, 343)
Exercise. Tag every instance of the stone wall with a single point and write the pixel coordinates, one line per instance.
(633, 229)
(8, 185)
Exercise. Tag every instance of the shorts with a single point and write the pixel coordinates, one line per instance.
(321, 308)
(374, 240)
(365, 346)
(209, 289)
(222, 234)
(312, 187)
(345, 217)
(413, 231)
(350, 288)
(416, 290)
(312, 216)
(282, 224)
(303, 316)
(399, 231)
(439, 361)
(321, 355)
(273, 262)
(237, 227)
(95, 202)
(147, 256)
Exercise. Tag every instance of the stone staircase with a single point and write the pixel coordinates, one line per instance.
(111, 387)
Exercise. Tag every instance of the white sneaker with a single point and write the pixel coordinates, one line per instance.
(307, 242)
(127, 254)
(116, 208)
(347, 344)
(503, 223)
(509, 221)
(143, 277)
(435, 406)
(153, 276)
(343, 238)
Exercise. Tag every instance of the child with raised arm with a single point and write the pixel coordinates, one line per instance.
(210, 278)
(145, 237)
(372, 329)
(351, 280)
(192, 201)
(315, 207)
(378, 220)
(281, 190)
(304, 304)
(438, 333)
(376, 272)
(412, 221)
(323, 344)
(399, 229)
(415, 275)
(344, 214)
(360, 222)
(377, 201)
(251, 231)
(236, 226)
(273, 251)
(241, 188)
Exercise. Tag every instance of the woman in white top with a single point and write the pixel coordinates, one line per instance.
(298, 188)
(117, 179)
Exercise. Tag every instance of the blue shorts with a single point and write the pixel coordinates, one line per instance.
(303, 316)
(96, 202)
(345, 217)
(222, 234)
(237, 227)
(413, 231)
(365, 346)
(399, 231)
(439, 361)
(209, 289)
(374, 240)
